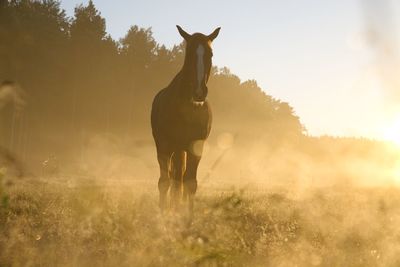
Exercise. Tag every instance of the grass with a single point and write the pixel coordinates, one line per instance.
(97, 223)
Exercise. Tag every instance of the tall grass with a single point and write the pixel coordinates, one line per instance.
(70, 223)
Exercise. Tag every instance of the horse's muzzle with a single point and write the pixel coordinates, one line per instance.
(198, 103)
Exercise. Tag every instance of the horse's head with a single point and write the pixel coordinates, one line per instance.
(198, 62)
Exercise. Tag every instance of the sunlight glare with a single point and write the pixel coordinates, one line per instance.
(392, 132)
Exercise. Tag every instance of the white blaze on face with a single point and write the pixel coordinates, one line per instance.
(200, 68)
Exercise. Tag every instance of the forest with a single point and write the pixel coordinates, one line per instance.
(79, 82)
(87, 94)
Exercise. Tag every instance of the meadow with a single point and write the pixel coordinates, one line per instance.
(272, 190)
(77, 221)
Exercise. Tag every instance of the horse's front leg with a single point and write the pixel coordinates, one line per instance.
(190, 180)
(178, 170)
(164, 158)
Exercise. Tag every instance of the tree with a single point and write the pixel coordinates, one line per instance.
(139, 49)
(80, 81)
(88, 27)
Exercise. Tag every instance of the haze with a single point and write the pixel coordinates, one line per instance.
(79, 172)
(311, 54)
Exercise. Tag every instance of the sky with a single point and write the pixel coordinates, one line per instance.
(314, 54)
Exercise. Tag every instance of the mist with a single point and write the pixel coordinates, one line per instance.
(79, 172)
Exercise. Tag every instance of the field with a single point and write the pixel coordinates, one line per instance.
(86, 222)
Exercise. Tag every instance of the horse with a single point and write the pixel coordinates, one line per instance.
(181, 122)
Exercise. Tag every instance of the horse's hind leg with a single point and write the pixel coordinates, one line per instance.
(179, 167)
(164, 180)
(190, 180)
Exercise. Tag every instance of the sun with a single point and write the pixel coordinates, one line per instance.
(392, 132)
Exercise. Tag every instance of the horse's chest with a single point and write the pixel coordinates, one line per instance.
(193, 122)
(193, 115)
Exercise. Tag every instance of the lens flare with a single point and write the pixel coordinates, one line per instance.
(392, 132)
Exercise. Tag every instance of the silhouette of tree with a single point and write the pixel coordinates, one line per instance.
(88, 26)
(80, 81)
(139, 48)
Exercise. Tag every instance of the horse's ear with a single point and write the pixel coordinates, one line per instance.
(184, 34)
(214, 34)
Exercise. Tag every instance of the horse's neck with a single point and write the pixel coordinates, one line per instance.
(179, 83)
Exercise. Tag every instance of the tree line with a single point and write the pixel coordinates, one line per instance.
(80, 81)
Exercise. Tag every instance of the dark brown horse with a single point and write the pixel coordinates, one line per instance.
(181, 122)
